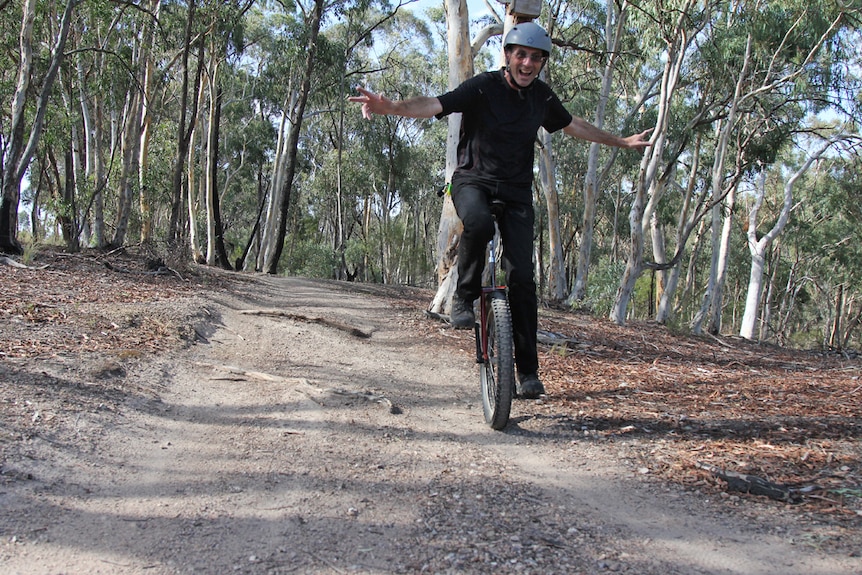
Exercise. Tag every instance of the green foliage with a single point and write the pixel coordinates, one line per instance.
(311, 259)
(603, 285)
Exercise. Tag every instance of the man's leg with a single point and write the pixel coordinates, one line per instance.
(516, 230)
(471, 204)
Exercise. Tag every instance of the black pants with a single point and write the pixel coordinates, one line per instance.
(472, 198)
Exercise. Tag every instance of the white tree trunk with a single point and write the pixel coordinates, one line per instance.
(758, 248)
(196, 192)
(647, 185)
(685, 222)
(146, 121)
(269, 229)
(711, 305)
(614, 29)
(209, 164)
(547, 177)
(17, 156)
(717, 306)
(460, 53)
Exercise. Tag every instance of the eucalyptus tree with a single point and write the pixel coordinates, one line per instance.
(224, 45)
(603, 40)
(25, 123)
(139, 124)
(778, 53)
(296, 98)
(191, 70)
(246, 143)
(812, 295)
(677, 29)
(461, 53)
(86, 96)
(732, 71)
(137, 55)
(759, 243)
(359, 25)
(101, 96)
(390, 173)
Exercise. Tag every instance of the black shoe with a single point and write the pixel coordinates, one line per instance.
(529, 386)
(462, 316)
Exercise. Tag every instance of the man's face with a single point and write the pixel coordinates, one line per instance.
(524, 64)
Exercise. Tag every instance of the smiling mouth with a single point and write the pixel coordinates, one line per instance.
(523, 75)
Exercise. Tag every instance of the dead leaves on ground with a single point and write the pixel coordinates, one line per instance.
(788, 417)
(74, 303)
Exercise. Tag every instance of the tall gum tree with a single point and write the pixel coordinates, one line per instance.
(770, 67)
(314, 18)
(615, 19)
(758, 246)
(460, 53)
(679, 36)
(22, 140)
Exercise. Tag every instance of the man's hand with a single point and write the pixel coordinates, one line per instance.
(638, 141)
(372, 103)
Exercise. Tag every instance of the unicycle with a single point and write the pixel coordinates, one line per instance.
(495, 352)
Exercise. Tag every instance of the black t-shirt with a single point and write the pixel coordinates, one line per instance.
(499, 125)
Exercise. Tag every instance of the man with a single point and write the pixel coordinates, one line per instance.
(501, 113)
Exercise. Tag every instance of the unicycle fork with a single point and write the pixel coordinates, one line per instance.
(494, 341)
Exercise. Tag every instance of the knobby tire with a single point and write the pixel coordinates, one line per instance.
(497, 373)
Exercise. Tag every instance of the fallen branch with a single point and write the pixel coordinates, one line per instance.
(250, 374)
(744, 483)
(314, 392)
(555, 339)
(159, 271)
(7, 261)
(354, 331)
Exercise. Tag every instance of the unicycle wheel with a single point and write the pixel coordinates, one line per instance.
(497, 371)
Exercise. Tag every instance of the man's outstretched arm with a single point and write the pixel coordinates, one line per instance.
(419, 107)
(581, 129)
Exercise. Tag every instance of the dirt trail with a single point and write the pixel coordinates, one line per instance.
(311, 431)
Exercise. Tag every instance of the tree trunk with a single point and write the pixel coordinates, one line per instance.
(276, 184)
(100, 179)
(685, 222)
(614, 30)
(647, 184)
(130, 142)
(193, 194)
(135, 137)
(293, 142)
(449, 231)
(210, 159)
(758, 248)
(17, 157)
(712, 301)
(147, 58)
(184, 132)
(547, 177)
(835, 330)
(634, 262)
(214, 222)
(721, 261)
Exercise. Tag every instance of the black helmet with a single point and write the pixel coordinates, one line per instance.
(529, 34)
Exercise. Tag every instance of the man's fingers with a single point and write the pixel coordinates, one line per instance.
(368, 99)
